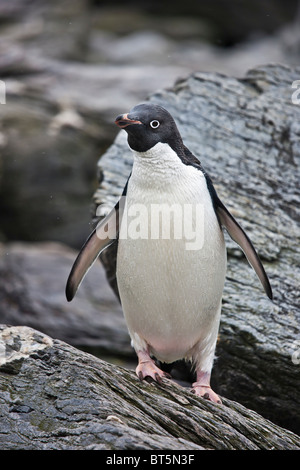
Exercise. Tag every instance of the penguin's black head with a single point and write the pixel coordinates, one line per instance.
(147, 125)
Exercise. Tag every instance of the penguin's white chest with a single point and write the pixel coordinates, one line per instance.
(171, 259)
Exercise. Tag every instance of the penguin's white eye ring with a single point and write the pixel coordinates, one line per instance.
(154, 124)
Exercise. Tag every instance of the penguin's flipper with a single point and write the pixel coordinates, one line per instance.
(240, 237)
(104, 235)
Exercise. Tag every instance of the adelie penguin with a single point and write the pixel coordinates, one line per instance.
(171, 296)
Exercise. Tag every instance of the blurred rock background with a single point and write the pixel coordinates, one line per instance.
(70, 66)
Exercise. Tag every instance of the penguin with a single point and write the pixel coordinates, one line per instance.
(170, 287)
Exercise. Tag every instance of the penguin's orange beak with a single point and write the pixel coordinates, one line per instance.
(123, 121)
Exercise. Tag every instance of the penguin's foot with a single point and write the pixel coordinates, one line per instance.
(148, 369)
(202, 387)
(206, 392)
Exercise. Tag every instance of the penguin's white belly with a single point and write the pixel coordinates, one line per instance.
(171, 295)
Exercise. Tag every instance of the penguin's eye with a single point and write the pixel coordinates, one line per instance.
(154, 124)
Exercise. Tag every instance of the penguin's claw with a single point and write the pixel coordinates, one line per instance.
(147, 369)
(205, 391)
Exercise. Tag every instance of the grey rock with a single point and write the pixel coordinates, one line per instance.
(32, 293)
(55, 397)
(246, 133)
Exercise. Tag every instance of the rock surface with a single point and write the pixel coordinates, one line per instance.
(246, 133)
(54, 397)
(33, 279)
